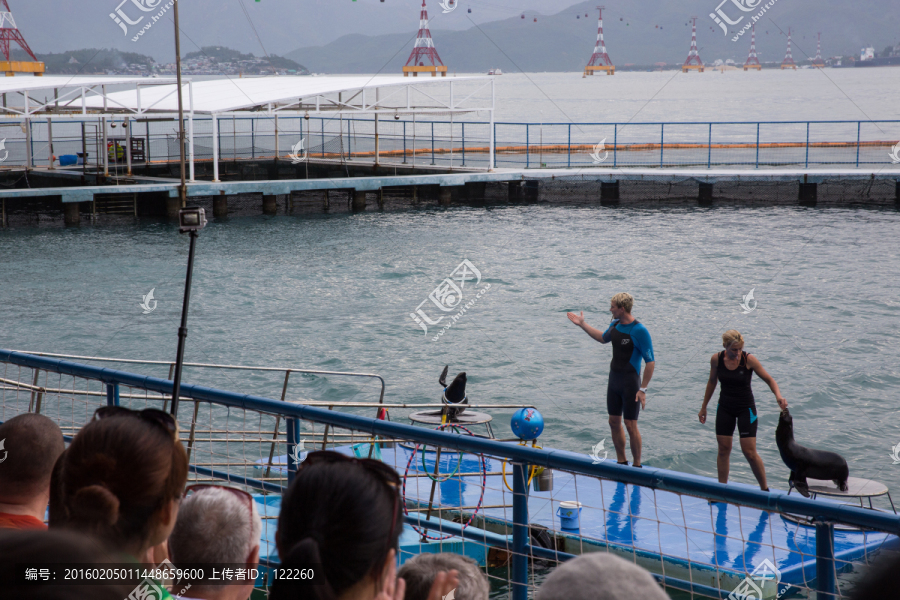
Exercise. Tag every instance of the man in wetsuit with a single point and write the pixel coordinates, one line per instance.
(626, 393)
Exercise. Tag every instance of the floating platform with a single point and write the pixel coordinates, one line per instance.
(708, 543)
(416, 70)
(11, 67)
(610, 69)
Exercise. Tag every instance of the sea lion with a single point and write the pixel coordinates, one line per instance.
(808, 462)
(455, 393)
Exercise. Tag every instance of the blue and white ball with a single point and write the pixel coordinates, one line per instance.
(527, 424)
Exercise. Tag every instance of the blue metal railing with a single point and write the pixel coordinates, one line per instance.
(824, 514)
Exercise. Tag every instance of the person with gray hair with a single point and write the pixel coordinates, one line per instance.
(600, 576)
(419, 573)
(30, 444)
(216, 526)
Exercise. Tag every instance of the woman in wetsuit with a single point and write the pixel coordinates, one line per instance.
(734, 368)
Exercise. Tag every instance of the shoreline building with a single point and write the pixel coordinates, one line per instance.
(423, 51)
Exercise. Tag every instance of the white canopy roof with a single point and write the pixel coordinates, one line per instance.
(48, 82)
(226, 95)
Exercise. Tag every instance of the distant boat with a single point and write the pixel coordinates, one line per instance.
(495, 72)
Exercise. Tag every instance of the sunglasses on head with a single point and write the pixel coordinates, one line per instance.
(150, 415)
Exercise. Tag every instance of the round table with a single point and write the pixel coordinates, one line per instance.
(856, 488)
(466, 419)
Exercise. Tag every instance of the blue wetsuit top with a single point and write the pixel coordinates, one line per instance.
(631, 343)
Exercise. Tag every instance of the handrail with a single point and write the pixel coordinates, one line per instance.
(214, 366)
(659, 479)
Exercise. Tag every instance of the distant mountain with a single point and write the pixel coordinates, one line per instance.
(640, 32)
(222, 54)
(264, 27)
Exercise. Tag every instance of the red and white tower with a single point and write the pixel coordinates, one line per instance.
(788, 62)
(424, 57)
(818, 61)
(600, 59)
(9, 32)
(693, 60)
(752, 60)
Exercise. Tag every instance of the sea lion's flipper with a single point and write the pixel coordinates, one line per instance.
(842, 484)
(802, 486)
(443, 379)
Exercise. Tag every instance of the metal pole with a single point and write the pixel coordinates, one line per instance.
(858, 127)
(50, 141)
(84, 158)
(493, 127)
(190, 131)
(807, 143)
(757, 145)
(520, 534)
(709, 148)
(182, 331)
(105, 148)
(253, 138)
(569, 150)
(183, 188)
(112, 394)
(662, 135)
(128, 144)
(322, 122)
(215, 143)
(29, 150)
(527, 146)
(615, 144)
(293, 435)
(277, 149)
(404, 142)
(377, 139)
(825, 576)
(432, 142)
(463, 125)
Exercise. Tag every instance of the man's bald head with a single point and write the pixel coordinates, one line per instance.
(30, 446)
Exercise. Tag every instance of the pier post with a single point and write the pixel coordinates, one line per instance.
(808, 194)
(173, 205)
(476, 190)
(446, 197)
(897, 191)
(825, 574)
(532, 190)
(29, 159)
(515, 191)
(705, 196)
(105, 149)
(3, 213)
(327, 201)
(270, 205)
(609, 192)
(359, 200)
(71, 214)
(50, 156)
(220, 206)
(127, 126)
(520, 534)
(215, 145)
(380, 198)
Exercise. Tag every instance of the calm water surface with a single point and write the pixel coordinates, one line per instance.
(336, 292)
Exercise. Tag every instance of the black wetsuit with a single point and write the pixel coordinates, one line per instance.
(631, 344)
(736, 402)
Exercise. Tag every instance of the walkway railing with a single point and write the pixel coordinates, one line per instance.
(709, 556)
(449, 144)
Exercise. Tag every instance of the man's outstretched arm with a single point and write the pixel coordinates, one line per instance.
(591, 331)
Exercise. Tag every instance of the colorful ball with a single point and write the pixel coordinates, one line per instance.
(527, 424)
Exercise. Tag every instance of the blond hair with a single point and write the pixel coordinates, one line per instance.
(731, 337)
(624, 300)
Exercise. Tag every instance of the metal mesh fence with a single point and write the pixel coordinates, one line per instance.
(490, 505)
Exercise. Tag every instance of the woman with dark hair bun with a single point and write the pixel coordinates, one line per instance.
(342, 517)
(121, 480)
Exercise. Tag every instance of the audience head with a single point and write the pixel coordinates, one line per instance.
(29, 447)
(121, 479)
(19, 548)
(600, 576)
(216, 526)
(880, 581)
(419, 572)
(344, 517)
